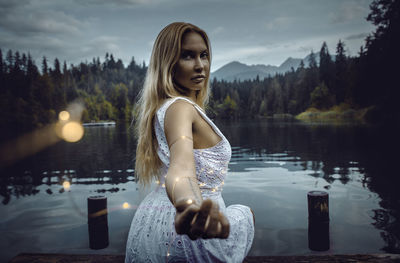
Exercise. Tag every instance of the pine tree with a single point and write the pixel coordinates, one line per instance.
(301, 66)
(326, 67)
(382, 56)
(56, 73)
(341, 73)
(2, 73)
(17, 62)
(9, 61)
(45, 68)
(311, 80)
(312, 63)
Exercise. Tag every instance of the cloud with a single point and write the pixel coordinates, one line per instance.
(35, 42)
(41, 22)
(118, 3)
(217, 30)
(348, 12)
(38, 46)
(279, 23)
(25, 19)
(305, 49)
(242, 52)
(103, 44)
(8, 5)
(357, 36)
(151, 43)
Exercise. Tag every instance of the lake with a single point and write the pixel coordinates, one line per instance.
(274, 165)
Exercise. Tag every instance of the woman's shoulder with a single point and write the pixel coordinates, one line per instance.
(175, 104)
(175, 100)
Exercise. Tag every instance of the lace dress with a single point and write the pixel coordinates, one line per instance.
(152, 236)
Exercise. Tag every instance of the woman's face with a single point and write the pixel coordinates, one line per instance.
(193, 65)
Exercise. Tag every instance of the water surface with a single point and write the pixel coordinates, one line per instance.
(273, 166)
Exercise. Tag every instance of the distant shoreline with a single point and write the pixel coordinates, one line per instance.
(99, 123)
(338, 113)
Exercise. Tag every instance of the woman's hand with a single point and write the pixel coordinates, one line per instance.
(200, 221)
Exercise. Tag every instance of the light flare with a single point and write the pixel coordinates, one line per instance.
(66, 185)
(37, 140)
(72, 131)
(64, 115)
(126, 205)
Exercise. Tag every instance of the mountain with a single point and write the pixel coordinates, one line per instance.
(236, 70)
(289, 64)
(239, 71)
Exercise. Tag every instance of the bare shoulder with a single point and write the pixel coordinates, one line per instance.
(180, 110)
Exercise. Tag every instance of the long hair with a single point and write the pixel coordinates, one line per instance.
(159, 86)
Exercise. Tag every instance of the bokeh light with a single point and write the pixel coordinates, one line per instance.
(126, 205)
(66, 185)
(64, 115)
(72, 131)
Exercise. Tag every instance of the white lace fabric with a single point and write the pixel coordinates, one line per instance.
(152, 236)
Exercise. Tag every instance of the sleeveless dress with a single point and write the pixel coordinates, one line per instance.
(152, 236)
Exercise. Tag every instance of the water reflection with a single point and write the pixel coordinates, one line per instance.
(105, 155)
(330, 152)
(333, 153)
(337, 154)
(381, 176)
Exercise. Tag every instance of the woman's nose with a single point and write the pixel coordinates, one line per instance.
(198, 65)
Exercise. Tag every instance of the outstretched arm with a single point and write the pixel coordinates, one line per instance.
(181, 182)
(194, 217)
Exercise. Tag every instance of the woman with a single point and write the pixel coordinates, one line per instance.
(184, 219)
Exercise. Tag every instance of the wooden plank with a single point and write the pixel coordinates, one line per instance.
(66, 258)
(378, 258)
(94, 258)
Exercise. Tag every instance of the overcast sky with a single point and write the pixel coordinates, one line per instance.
(252, 31)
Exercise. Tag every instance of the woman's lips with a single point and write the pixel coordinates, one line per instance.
(198, 79)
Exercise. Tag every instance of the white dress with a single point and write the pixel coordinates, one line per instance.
(152, 236)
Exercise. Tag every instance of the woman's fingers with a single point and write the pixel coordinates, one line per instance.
(200, 222)
(224, 226)
(184, 219)
(205, 221)
(212, 229)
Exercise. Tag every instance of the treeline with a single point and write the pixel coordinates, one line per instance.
(31, 97)
(321, 85)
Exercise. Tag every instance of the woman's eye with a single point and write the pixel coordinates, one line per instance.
(186, 56)
(204, 55)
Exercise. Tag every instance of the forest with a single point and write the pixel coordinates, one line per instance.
(31, 97)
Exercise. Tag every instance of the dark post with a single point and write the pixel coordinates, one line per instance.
(97, 221)
(318, 220)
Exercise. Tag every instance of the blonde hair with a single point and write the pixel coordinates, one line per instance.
(159, 86)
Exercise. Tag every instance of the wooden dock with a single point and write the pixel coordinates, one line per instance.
(65, 258)
(103, 123)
